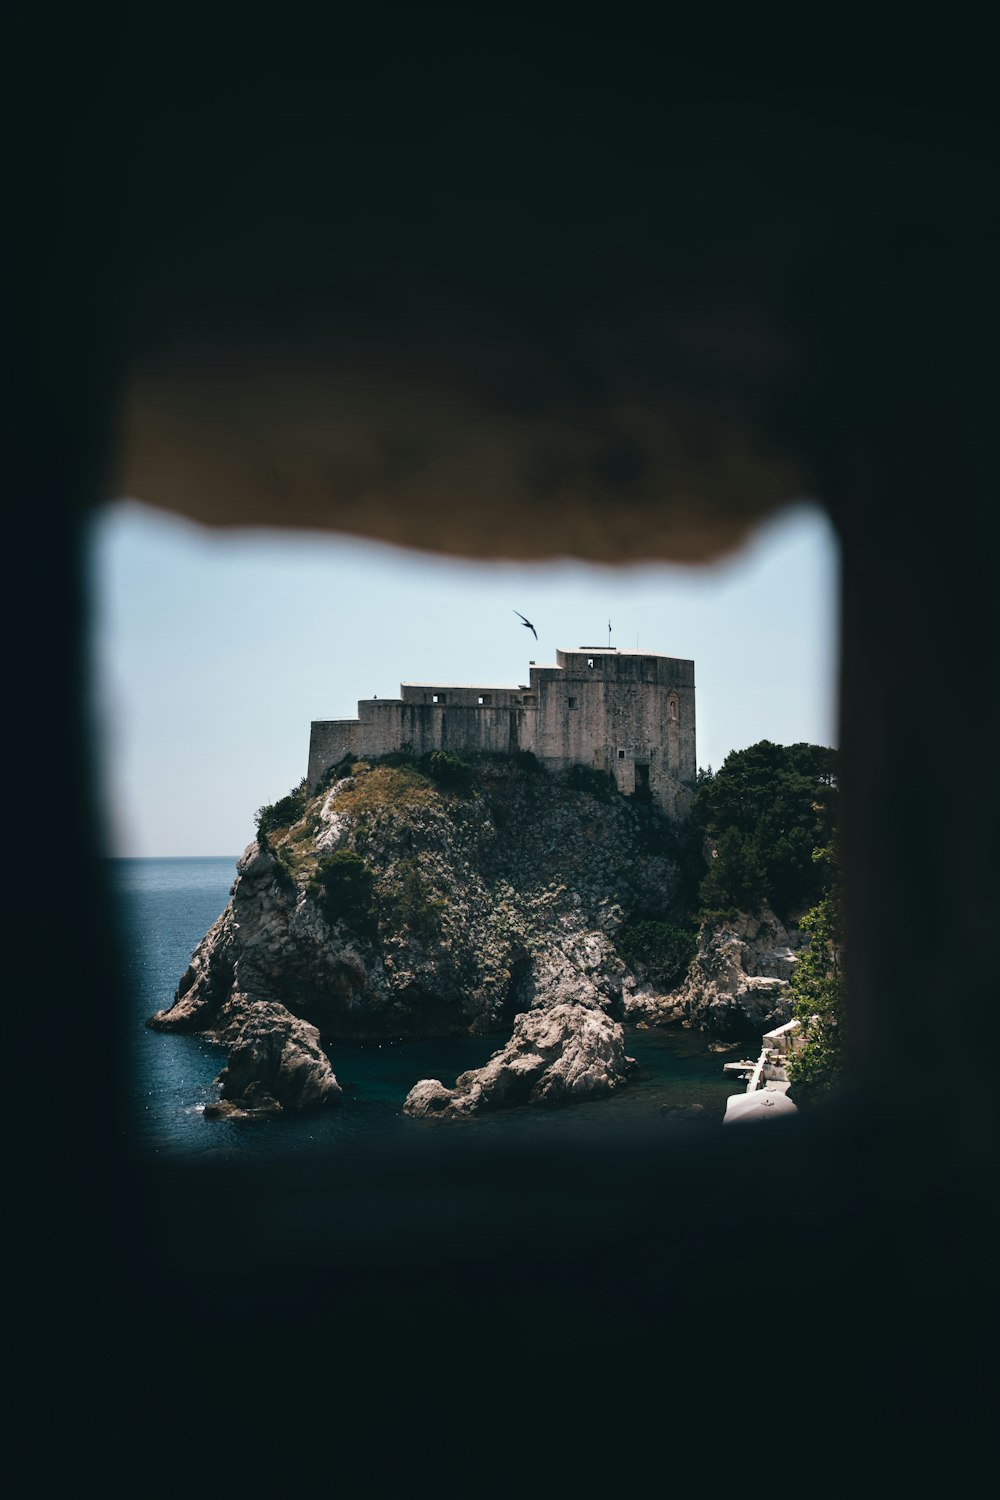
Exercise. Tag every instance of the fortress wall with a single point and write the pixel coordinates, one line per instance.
(376, 731)
(620, 713)
(329, 741)
(460, 726)
(385, 725)
(627, 714)
(447, 694)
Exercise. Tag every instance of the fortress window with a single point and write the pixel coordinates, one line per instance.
(590, 661)
(621, 755)
(485, 698)
(673, 708)
(572, 703)
(439, 697)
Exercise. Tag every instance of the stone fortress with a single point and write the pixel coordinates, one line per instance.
(628, 713)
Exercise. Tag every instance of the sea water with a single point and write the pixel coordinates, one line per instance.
(165, 906)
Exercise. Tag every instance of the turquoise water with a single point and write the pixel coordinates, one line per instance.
(165, 907)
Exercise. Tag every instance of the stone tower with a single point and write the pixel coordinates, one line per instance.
(630, 714)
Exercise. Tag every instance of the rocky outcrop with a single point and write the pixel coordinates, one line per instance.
(737, 982)
(490, 906)
(556, 1055)
(493, 907)
(275, 1062)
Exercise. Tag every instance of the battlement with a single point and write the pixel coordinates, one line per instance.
(627, 713)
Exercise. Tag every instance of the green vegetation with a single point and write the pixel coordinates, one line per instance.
(283, 813)
(446, 769)
(763, 813)
(381, 788)
(284, 874)
(344, 767)
(817, 988)
(416, 903)
(765, 810)
(664, 949)
(343, 886)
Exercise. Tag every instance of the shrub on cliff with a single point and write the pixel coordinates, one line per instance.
(442, 766)
(336, 773)
(284, 812)
(446, 769)
(416, 902)
(817, 988)
(343, 886)
(663, 949)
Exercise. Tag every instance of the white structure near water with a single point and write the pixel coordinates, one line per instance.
(766, 1096)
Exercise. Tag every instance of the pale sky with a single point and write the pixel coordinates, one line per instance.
(213, 651)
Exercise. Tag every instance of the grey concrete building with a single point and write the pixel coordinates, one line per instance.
(628, 713)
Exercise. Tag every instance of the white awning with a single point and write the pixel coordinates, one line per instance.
(762, 1104)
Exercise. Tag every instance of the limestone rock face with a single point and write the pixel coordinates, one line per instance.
(489, 907)
(736, 985)
(556, 1055)
(275, 1061)
(498, 898)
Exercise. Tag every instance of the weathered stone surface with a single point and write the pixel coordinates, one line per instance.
(630, 713)
(736, 985)
(488, 904)
(275, 1060)
(557, 1055)
(334, 826)
(520, 890)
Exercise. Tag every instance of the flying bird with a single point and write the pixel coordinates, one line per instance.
(527, 623)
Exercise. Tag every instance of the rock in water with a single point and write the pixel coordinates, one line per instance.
(275, 1062)
(557, 1055)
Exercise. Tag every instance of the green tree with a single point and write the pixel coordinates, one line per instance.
(817, 988)
(664, 949)
(766, 809)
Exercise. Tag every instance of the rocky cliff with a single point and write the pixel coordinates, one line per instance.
(394, 905)
(428, 900)
(737, 982)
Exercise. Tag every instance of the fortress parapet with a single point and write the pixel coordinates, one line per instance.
(630, 714)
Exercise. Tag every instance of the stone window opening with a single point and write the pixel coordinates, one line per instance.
(590, 661)
(621, 755)
(572, 703)
(439, 697)
(485, 699)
